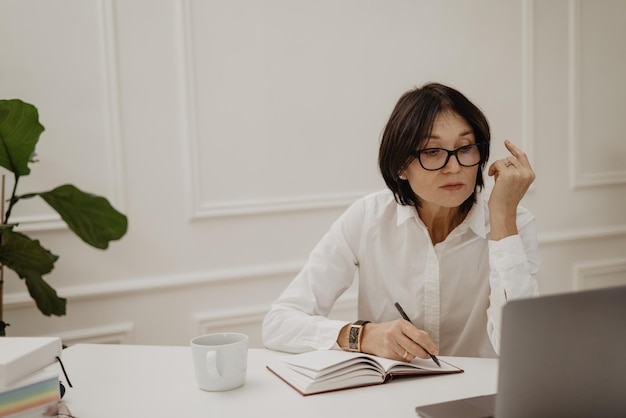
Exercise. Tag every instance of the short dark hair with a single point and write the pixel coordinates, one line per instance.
(411, 124)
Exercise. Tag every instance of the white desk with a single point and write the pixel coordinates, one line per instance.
(158, 381)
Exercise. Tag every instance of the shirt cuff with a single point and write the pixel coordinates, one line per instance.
(507, 252)
(327, 333)
(510, 268)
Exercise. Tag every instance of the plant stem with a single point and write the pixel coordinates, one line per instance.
(2, 266)
(1, 293)
(12, 201)
(3, 324)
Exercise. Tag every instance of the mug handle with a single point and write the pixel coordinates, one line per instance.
(211, 365)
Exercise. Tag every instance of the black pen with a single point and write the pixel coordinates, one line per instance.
(406, 317)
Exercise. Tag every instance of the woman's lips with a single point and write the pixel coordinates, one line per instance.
(452, 187)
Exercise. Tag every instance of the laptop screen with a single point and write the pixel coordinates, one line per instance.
(564, 355)
(560, 356)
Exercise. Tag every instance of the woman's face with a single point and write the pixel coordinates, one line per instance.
(450, 186)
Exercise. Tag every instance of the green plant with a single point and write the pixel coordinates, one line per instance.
(90, 217)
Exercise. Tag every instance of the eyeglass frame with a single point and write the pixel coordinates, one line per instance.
(455, 152)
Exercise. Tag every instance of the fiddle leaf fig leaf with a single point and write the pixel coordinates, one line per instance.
(19, 132)
(24, 255)
(91, 217)
(46, 297)
(31, 261)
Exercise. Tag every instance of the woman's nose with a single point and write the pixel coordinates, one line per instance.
(452, 165)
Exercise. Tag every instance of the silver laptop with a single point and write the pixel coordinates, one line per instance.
(560, 356)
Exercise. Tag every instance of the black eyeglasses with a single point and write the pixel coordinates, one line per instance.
(433, 159)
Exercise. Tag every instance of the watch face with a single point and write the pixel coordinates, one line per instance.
(353, 337)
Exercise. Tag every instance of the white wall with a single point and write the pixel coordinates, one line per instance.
(232, 133)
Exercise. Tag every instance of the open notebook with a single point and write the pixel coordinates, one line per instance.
(560, 356)
(329, 370)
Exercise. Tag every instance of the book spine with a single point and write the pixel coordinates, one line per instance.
(29, 396)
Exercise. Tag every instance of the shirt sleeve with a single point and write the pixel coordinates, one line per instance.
(514, 263)
(298, 320)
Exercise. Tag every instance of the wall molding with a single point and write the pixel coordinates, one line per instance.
(109, 334)
(199, 209)
(113, 101)
(578, 178)
(36, 223)
(574, 235)
(207, 321)
(105, 290)
(277, 204)
(528, 80)
(588, 273)
(188, 109)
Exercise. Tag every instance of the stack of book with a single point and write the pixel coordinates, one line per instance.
(27, 388)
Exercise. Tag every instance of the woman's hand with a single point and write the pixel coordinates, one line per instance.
(397, 340)
(513, 176)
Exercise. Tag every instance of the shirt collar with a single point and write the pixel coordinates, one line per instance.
(404, 213)
(475, 220)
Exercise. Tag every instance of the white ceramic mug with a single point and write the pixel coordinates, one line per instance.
(220, 360)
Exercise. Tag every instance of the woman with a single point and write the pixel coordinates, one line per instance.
(447, 252)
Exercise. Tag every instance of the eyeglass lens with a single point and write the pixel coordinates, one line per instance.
(437, 158)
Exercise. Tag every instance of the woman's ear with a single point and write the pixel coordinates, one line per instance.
(402, 176)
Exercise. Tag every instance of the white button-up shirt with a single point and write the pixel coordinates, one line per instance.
(453, 290)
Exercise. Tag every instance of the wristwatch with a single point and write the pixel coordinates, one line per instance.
(355, 335)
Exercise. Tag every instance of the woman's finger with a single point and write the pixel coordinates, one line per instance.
(418, 342)
(500, 165)
(405, 354)
(516, 152)
(508, 162)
